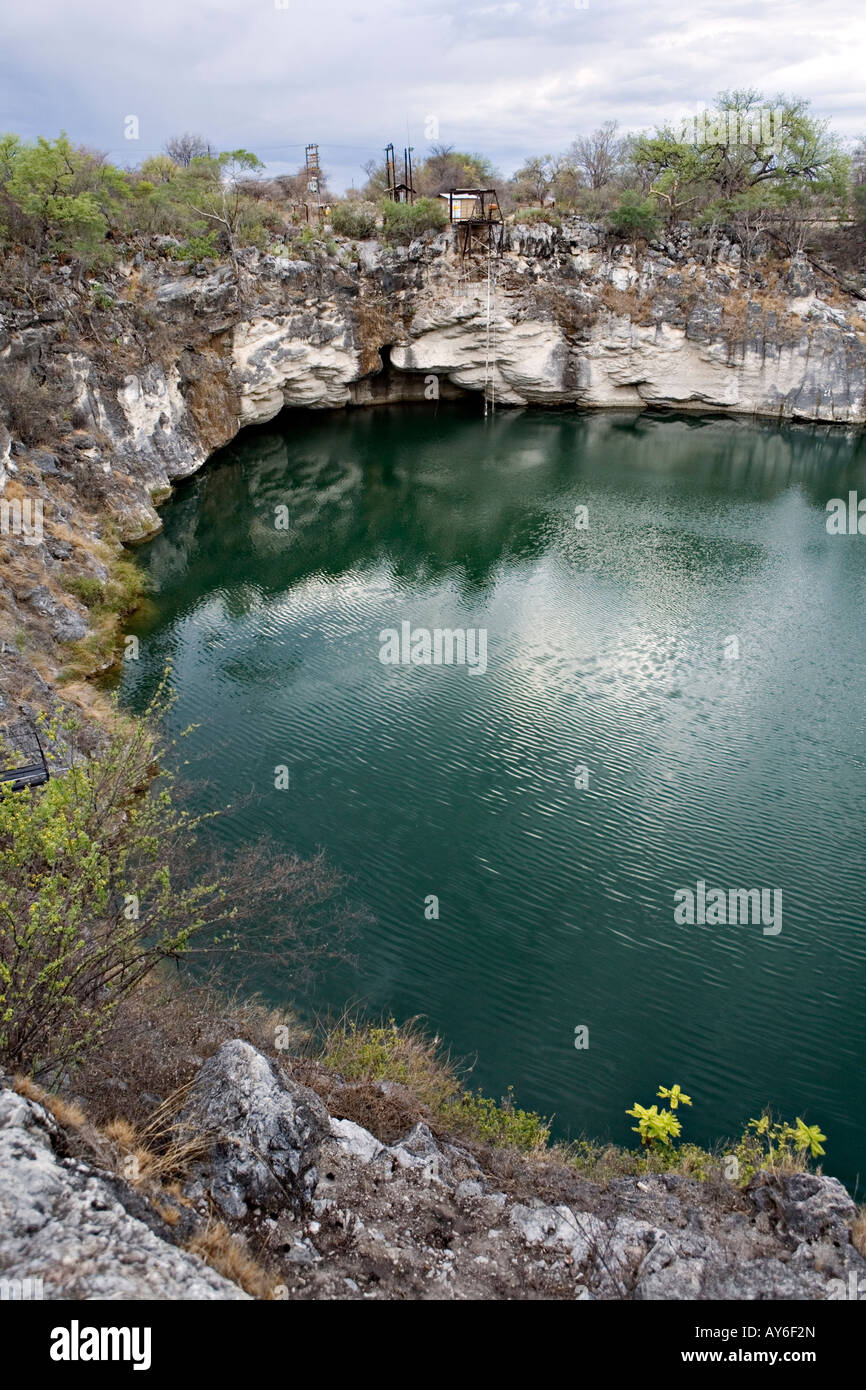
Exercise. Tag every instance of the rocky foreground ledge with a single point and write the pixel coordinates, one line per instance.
(321, 1208)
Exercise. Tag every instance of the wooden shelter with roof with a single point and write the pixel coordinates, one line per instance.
(477, 218)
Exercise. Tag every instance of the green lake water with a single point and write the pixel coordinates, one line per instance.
(607, 647)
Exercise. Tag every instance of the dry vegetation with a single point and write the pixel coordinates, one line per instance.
(216, 1245)
(628, 303)
(374, 325)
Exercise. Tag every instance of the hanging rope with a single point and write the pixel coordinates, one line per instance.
(487, 336)
(490, 337)
(491, 275)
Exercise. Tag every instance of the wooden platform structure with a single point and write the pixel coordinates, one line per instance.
(477, 219)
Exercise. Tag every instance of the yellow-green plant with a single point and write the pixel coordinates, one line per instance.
(767, 1144)
(659, 1128)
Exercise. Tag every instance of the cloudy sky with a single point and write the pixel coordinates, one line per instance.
(510, 79)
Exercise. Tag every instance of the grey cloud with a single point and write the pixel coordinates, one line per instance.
(510, 78)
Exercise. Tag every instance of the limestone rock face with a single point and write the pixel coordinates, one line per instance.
(277, 366)
(805, 1206)
(62, 1222)
(562, 318)
(569, 319)
(341, 1213)
(264, 1133)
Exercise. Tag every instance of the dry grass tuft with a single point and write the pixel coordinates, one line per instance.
(858, 1232)
(223, 1252)
(627, 303)
(66, 1113)
(429, 1086)
(388, 1052)
(160, 1149)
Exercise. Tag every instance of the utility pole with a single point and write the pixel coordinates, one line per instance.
(390, 172)
(314, 176)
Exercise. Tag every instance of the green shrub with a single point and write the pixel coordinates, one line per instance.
(532, 216)
(85, 587)
(496, 1122)
(88, 903)
(766, 1143)
(403, 222)
(103, 876)
(356, 220)
(633, 217)
(389, 1052)
(196, 248)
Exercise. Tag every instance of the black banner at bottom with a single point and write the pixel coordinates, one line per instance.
(60, 1340)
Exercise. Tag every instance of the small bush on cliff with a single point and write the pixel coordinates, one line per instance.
(634, 217)
(102, 877)
(28, 406)
(770, 1144)
(496, 1122)
(388, 1052)
(531, 217)
(765, 1143)
(374, 1052)
(86, 587)
(658, 1128)
(356, 220)
(196, 248)
(403, 222)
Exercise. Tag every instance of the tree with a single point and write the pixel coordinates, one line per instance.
(160, 168)
(566, 179)
(295, 187)
(858, 183)
(533, 180)
(183, 149)
(446, 168)
(70, 196)
(598, 156)
(742, 143)
(749, 214)
(633, 217)
(377, 180)
(103, 877)
(220, 198)
(10, 148)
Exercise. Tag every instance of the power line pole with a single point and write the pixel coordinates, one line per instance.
(314, 175)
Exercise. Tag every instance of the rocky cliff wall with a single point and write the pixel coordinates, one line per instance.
(113, 391)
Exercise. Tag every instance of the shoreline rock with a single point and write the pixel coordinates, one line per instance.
(338, 1214)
